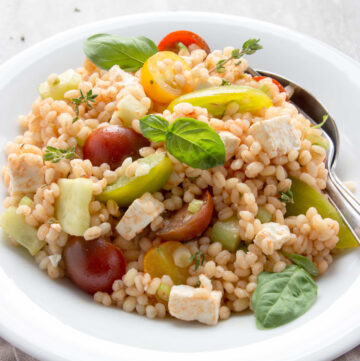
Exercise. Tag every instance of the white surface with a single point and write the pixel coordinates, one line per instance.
(52, 320)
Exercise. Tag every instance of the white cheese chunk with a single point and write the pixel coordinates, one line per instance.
(278, 136)
(272, 237)
(231, 143)
(26, 172)
(140, 213)
(195, 304)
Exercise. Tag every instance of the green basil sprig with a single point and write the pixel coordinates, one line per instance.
(282, 297)
(106, 50)
(303, 262)
(189, 140)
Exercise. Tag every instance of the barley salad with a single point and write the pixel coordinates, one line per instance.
(165, 180)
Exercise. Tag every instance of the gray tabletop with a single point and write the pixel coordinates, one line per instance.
(26, 22)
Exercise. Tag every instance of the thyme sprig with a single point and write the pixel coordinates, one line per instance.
(54, 155)
(249, 47)
(86, 99)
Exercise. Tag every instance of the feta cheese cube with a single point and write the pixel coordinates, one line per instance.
(140, 213)
(231, 143)
(272, 237)
(195, 304)
(278, 136)
(26, 172)
(129, 108)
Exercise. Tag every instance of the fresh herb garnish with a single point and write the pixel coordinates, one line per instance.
(303, 262)
(282, 297)
(90, 97)
(325, 118)
(249, 47)
(54, 155)
(189, 140)
(225, 82)
(106, 50)
(287, 197)
(198, 258)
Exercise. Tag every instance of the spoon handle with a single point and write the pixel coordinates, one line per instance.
(345, 203)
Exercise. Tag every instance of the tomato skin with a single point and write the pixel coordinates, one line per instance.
(112, 144)
(184, 226)
(93, 265)
(280, 87)
(160, 86)
(171, 40)
(158, 261)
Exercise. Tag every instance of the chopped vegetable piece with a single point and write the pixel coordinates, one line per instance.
(112, 144)
(318, 140)
(159, 261)
(15, 226)
(216, 99)
(172, 41)
(159, 84)
(184, 225)
(305, 197)
(93, 265)
(227, 233)
(26, 201)
(125, 190)
(64, 82)
(72, 206)
(263, 215)
(195, 205)
(163, 292)
(287, 197)
(130, 108)
(282, 297)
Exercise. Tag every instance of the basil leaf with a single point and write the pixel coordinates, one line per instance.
(303, 262)
(282, 297)
(106, 50)
(195, 144)
(154, 127)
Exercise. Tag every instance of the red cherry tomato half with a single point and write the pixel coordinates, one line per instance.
(112, 144)
(93, 265)
(170, 41)
(280, 87)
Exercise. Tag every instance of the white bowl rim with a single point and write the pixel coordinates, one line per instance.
(18, 313)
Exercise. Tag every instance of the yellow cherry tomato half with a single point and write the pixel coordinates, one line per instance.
(158, 77)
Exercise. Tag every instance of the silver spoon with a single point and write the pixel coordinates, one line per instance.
(340, 196)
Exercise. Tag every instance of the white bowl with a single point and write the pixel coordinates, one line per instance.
(54, 321)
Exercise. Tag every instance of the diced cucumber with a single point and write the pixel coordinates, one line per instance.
(125, 190)
(26, 201)
(65, 81)
(227, 233)
(72, 206)
(305, 197)
(129, 108)
(263, 215)
(195, 205)
(16, 227)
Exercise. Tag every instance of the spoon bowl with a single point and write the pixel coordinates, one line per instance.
(339, 195)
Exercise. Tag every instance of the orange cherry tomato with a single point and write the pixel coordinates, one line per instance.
(159, 261)
(159, 82)
(170, 41)
(184, 225)
(280, 87)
